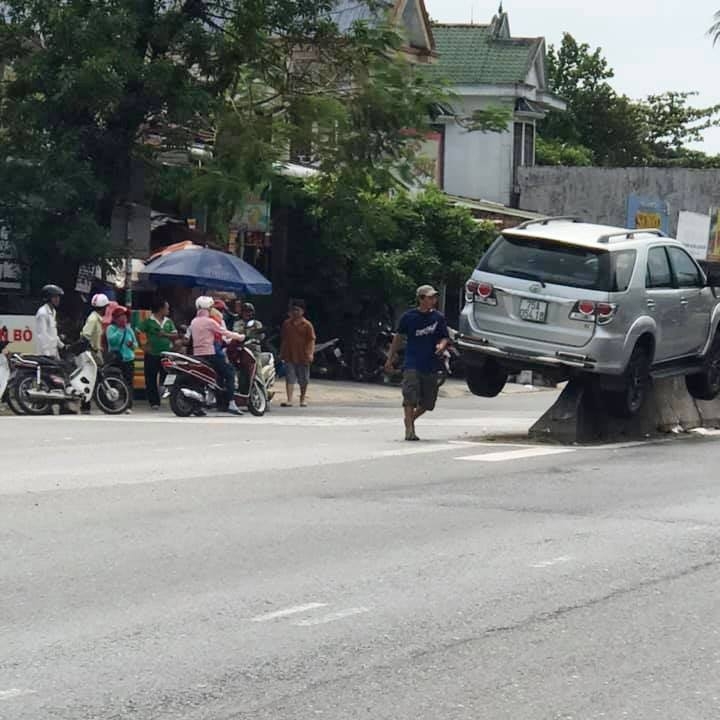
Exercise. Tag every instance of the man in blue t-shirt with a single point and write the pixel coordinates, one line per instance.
(426, 332)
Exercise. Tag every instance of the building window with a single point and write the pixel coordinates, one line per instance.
(529, 150)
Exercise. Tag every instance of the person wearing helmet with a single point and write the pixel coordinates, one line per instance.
(204, 331)
(253, 334)
(49, 343)
(233, 315)
(122, 343)
(93, 331)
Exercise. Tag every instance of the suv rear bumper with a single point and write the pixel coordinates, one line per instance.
(483, 346)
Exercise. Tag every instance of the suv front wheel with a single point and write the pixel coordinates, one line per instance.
(626, 403)
(486, 380)
(705, 385)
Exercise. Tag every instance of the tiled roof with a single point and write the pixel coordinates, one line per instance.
(474, 55)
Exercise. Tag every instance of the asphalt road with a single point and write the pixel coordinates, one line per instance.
(310, 565)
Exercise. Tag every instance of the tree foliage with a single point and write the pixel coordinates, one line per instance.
(94, 89)
(610, 128)
(377, 248)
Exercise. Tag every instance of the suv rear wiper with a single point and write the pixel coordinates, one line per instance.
(526, 276)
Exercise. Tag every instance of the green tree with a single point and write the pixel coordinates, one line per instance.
(95, 89)
(714, 31)
(611, 129)
(597, 120)
(360, 118)
(361, 257)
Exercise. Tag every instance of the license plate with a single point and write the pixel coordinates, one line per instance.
(533, 311)
(170, 380)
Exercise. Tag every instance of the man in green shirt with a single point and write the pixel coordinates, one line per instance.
(160, 332)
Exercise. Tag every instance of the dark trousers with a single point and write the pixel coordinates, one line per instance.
(128, 371)
(153, 369)
(226, 375)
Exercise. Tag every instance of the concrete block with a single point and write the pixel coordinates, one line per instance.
(580, 415)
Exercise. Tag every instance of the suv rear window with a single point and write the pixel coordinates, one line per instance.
(560, 264)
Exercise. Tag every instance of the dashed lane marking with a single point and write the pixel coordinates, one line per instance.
(555, 561)
(287, 612)
(331, 617)
(14, 693)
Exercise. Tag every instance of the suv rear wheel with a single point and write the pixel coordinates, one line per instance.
(627, 402)
(486, 380)
(705, 385)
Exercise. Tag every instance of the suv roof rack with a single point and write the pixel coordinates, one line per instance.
(548, 220)
(630, 235)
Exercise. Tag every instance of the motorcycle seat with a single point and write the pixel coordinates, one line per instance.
(44, 360)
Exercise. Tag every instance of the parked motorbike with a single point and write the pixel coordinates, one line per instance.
(370, 349)
(40, 382)
(329, 361)
(266, 370)
(195, 386)
(7, 374)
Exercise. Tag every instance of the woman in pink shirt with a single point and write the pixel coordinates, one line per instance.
(204, 331)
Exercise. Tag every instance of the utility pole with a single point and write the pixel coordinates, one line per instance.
(128, 255)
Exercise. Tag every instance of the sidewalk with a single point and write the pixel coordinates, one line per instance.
(340, 393)
(325, 392)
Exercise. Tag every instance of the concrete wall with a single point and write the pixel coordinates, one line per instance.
(601, 194)
(478, 165)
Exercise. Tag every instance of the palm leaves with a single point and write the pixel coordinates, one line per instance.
(714, 31)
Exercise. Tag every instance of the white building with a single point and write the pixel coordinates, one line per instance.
(487, 67)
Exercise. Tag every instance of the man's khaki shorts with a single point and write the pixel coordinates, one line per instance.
(420, 390)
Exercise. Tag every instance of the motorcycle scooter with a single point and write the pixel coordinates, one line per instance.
(328, 361)
(195, 386)
(41, 382)
(7, 375)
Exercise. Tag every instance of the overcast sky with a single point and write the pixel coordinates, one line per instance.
(653, 45)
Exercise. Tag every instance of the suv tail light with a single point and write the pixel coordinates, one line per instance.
(480, 292)
(590, 311)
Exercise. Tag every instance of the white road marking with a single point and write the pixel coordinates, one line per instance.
(555, 561)
(705, 432)
(521, 454)
(14, 692)
(332, 617)
(287, 612)
(416, 450)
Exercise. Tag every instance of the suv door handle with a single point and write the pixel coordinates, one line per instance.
(683, 301)
(651, 303)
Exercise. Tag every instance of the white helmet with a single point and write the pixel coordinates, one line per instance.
(204, 303)
(100, 301)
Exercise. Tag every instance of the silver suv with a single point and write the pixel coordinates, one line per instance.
(563, 298)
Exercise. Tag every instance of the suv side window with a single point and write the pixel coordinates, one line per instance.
(623, 264)
(686, 271)
(658, 274)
